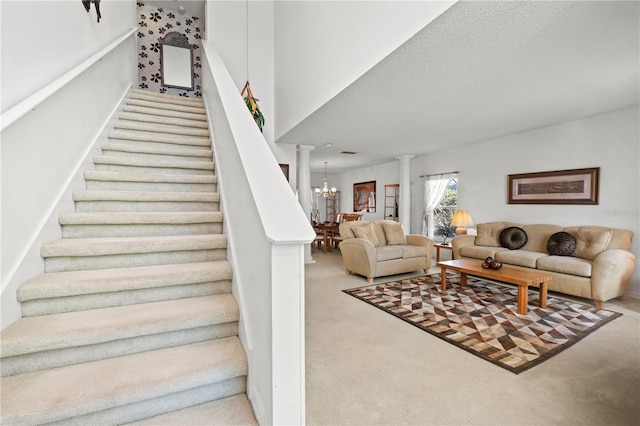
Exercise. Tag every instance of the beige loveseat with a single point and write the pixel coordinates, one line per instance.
(599, 266)
(380, 248)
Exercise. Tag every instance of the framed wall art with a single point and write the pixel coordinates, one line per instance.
(285, 170)
(576, 186)
(364, 197)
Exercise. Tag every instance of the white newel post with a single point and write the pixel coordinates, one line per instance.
(304, 190)
(405, 191)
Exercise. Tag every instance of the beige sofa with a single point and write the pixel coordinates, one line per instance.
(380, 248)
(599, 267)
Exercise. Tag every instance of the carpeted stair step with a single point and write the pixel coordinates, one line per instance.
(50, 341)
(140, 224)
(127, 388)
(160, 128)
(58, 292)
(147, 102)
(164, 112)
(143, 201)
(127, 181)
(234, 410)
(174, 121)
(164, 97)
(133, 150)
(106, 253)
(157, 139)
(126, 164)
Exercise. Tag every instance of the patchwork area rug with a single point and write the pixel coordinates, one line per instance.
(482, 317)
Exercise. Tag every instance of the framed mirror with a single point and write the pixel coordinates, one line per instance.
(176, 61)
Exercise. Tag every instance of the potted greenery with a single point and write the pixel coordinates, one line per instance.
(252, 104)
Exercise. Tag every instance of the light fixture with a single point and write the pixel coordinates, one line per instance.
(461, 219)
(325, 191)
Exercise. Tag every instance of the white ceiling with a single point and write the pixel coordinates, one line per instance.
(481, 70)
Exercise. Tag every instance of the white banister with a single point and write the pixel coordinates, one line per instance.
(267, 231)
(29, 104)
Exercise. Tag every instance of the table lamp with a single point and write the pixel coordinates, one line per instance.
(461, 219)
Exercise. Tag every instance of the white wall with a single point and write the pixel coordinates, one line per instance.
(323, 46)
(610, 141)
(44, 152)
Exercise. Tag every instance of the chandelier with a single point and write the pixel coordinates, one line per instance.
(325, 191)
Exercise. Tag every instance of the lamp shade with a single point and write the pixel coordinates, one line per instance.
(461, 219)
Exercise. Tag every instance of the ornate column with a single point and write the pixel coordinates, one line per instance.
(404, 215)
(304, 190)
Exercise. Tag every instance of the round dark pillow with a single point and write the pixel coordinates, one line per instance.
(513, 238)
(561, 244)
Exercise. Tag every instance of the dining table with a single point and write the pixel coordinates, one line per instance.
(327, 229)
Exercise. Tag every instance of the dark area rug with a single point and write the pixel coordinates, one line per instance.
(482, 317)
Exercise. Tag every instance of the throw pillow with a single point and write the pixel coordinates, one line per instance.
(513, 238)
(394, 233)
(591, 242)
(561, 244)
(368, 233)
(488, 233)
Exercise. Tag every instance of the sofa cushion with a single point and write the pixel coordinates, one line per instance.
(377, 226)
(394, 232)
(480, 252)
(488, 234)
(520, 257)
(413, 251)
(565, 265)
(513, 238)
(561, 244)
(590, 242)
(367, 232)
(388, 253)
(538, 236)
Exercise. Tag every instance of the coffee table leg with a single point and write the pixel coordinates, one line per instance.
(463, 279)
(443, 278)
(522, 299)
(543, 294)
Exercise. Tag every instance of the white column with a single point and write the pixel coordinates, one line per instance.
(404, 216)
(304, 190)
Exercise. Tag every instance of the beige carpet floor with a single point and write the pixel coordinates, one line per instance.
(365, 367)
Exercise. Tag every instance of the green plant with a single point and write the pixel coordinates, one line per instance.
(252, 104)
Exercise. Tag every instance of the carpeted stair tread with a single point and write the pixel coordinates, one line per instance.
(60, 393)
(131, 245)
(153, 163)
(165, 97)
(75, 283)
(146, 196)
(161, 128)
(164, 112)
(141, 136)
(127, 218)
(137, 149)
(174, 121)
(74, 329)
(103, 175)
(151, 103)
(234, 410)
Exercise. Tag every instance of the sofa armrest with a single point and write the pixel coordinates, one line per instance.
(611, 273)
(461, 241)
(359, 256)
(421, 240)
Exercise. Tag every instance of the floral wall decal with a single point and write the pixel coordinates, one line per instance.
(153, 24)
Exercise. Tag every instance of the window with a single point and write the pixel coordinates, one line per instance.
(443, 213)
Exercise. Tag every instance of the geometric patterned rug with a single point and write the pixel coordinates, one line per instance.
(482, 317)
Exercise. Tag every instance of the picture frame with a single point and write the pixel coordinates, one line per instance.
(575, 186)
(364, 197)
(285, 170)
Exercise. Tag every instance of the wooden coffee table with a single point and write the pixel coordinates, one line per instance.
(508, 274)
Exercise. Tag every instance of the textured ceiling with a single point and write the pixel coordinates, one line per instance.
(482, 70)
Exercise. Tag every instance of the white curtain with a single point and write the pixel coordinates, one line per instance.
(434, 188)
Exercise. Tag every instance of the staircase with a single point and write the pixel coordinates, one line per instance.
(133, 319)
